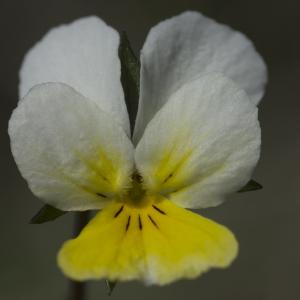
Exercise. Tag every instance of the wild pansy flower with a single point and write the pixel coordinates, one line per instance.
(196, 140)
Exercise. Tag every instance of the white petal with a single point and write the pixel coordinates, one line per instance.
(71, 153)
(202, 145)
(84, 55)
(181, 48)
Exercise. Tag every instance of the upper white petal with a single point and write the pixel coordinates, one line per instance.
(202, 145)
(181, 48)
(84, 55)
(68, 149)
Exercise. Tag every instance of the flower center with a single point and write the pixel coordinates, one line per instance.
(137, 196)
(138, 207)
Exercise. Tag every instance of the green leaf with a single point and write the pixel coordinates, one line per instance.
(47, 213)
(130, 76)
(251, 186)
(110, 286)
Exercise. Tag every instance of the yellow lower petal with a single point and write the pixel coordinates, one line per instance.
(157, 243)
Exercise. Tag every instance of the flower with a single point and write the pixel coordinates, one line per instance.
(196, 140)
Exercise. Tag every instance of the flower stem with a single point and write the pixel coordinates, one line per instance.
(77, 290)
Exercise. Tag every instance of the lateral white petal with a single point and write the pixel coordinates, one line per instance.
(181, 48)
(202, 145)
(72, 154)
(84, 55)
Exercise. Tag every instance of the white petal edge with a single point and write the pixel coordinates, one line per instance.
(202, 145)
(83, 55)
(180, 49)
(73, 155)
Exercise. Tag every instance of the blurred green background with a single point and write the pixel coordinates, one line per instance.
(266, 222)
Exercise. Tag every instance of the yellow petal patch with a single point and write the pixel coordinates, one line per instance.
(157, 243)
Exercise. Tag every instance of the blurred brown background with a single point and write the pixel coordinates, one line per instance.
(266, 222)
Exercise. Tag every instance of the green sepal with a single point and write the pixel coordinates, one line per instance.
(130, 76)
(110, 286)
(47, 213)
(252, 185)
